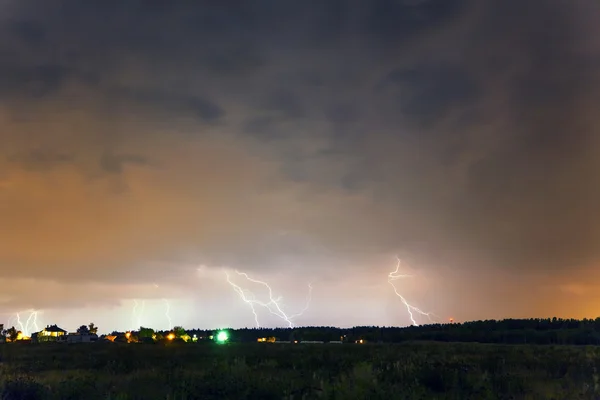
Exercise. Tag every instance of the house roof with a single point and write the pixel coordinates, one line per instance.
(54, 328)
(82, 334)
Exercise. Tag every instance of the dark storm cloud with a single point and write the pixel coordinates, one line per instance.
(533, 193)
(258, 126)
(35, 81)
(41, 160)
(287, 104)
(424, 93)
(170, 103)
(454, 132)
(31, 34)
(398, 21)
(114, 163)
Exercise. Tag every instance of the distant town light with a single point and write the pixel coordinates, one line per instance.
(222, 337)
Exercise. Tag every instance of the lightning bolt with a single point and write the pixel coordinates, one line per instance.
(30, 324)
(135, 305)
(308, 300)
(167, 309)
(168, 313)
(136, 318)
(250, 301)
(141, 313)
(273, 305)
(395, 275)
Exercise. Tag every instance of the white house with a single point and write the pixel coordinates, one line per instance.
(81, 338)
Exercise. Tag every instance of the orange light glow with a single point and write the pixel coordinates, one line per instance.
(171, 336)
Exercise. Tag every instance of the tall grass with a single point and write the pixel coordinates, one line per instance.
(263, 371)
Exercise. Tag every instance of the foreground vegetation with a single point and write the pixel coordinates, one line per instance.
(424, 370)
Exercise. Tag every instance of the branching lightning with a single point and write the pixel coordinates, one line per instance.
(308, 300)
(395, 275)
(273, 305)
(29, 326)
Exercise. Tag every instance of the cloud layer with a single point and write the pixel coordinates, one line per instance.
(301, 141)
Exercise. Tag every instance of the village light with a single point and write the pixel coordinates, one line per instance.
(222, 337)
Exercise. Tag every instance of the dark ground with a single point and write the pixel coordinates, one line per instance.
(286, 371)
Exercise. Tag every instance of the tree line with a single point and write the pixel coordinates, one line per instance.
(557, 331)
(509, 331)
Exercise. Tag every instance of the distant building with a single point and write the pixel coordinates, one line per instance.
(50, 333)
(185, 337)
(123, 338)
(81, 338)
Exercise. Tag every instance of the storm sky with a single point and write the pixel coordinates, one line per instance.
(146, 147)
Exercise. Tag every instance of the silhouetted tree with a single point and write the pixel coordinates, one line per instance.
(146, 332)
(93, 329)
(179, 331)
(12, 333)
(83, 329)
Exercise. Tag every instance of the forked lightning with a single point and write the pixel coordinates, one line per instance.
(273, 305)
(29, 326)
(136, 317)
(395, 275)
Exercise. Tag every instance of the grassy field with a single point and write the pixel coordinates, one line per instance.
(282, 371)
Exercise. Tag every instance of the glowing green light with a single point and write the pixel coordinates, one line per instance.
(222, 337)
